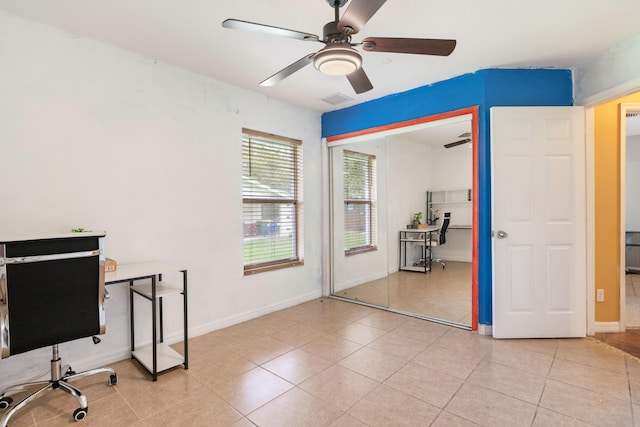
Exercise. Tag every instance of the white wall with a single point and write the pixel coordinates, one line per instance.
(349, 271)
(410, 175)
(452, 170)
(608, 75)
(92, 136)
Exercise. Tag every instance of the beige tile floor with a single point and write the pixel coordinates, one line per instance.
(443, 293)
(632, 300)
(335, 363)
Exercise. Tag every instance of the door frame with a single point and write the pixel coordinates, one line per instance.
(625, 107)
(589, 122)
(403, 126)
(590, 103)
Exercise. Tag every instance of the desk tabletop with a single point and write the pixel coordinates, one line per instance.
(429, 229)
(137, 270)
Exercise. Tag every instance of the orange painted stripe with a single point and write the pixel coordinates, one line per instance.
(398, 125)
(475, 225)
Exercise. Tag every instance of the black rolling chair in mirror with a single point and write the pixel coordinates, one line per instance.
(51, 291)
(439, 238)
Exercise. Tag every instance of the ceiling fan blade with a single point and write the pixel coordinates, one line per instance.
(439, 47)
(358, 14)
(359, 81)
(455, 144)
(287, 71)
(268, 29)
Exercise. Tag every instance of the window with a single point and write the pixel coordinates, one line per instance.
(272, 201)
(359, 202)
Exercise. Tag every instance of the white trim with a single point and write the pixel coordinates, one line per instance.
(402, 129)
(623, 216)
(326, 220)
(611, 94)
(624, 109)
(249, 315)
(591, 223)
(607, 327)
(485, 329)
(339, 287)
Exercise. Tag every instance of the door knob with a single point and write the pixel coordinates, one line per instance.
(502, 234)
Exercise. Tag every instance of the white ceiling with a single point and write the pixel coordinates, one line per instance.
(490, 33)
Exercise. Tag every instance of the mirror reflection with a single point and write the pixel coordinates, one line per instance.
(402, 221)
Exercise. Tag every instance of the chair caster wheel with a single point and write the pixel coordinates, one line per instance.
(113, 379)
(80, 413)
(5, 402)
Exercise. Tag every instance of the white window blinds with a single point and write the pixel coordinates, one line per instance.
(272, 201)
(360, 223)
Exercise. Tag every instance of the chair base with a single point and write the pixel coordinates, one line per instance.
(441, 261)
(60, 378)
(422, 261)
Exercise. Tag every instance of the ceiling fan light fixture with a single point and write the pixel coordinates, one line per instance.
(337, 60)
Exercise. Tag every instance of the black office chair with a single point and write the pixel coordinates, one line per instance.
(51, 291)
(439, 238)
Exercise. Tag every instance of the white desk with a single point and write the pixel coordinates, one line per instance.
(157, 356)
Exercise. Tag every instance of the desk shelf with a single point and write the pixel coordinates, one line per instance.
(157, 356)
(162, 290)
(166, 357)
(409, 239)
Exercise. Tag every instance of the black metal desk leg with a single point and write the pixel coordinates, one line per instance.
(184, 299)
(153, 329)
(133, 340)
(161, 314)
(161, 322)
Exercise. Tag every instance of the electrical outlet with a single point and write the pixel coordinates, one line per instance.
(600, 295)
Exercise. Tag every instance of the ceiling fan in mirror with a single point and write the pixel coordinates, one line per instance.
(339, 57)
(466, 139)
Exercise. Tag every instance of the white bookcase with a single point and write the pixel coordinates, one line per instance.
(456, 201)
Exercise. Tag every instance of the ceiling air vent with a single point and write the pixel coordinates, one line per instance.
(336, 99)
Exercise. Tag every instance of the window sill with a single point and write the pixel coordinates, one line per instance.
(360, 250)
(250, 271)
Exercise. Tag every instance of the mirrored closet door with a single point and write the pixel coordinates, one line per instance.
(380, 188)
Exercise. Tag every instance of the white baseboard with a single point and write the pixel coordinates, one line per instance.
(205, 328)
(337, 287)
(485, 329)
(603, 327)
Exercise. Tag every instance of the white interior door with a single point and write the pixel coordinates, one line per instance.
(539, 224)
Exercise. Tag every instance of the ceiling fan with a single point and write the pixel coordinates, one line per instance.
(460, 142)
(338, 57)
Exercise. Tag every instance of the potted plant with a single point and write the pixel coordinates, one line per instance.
(416, 218)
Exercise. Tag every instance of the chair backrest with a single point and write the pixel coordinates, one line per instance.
(442, 234)
(51, 291)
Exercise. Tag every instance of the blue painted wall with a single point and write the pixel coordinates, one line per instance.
(486, 88)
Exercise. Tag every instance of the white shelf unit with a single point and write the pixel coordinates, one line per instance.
(166, 357)
(158, 356)
(410, 238)
(456, 201)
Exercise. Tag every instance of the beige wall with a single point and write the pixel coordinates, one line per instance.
(607, 206)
